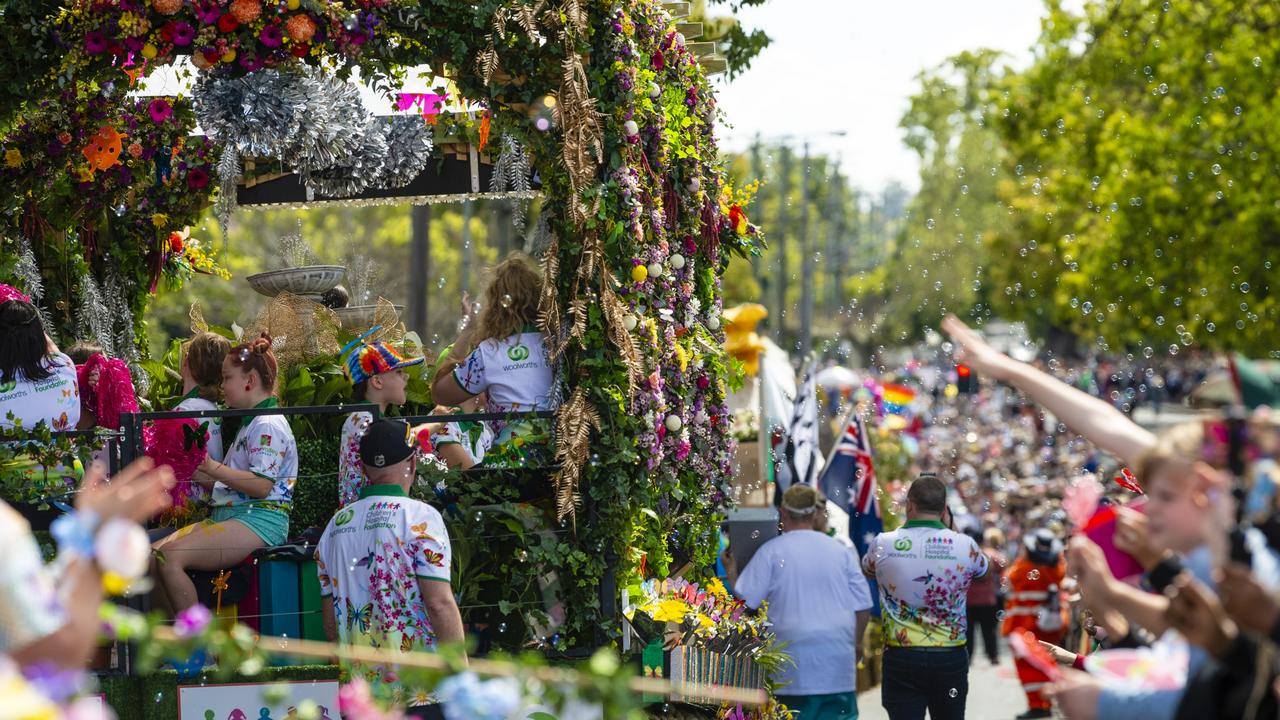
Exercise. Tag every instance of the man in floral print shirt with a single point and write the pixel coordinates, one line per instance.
(384, 565)
(924, 570)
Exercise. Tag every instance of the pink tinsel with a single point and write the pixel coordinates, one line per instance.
(165, 442)
(113, 392)
(9, 292)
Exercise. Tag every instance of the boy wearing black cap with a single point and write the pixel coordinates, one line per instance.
(384, 563)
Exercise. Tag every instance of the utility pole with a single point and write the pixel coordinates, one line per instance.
(755, 212)
(806, 263)
(833, 272)
(467, 210)
(780, 245)
(419, 268)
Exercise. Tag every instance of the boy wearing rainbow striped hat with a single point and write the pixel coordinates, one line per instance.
(377, 371)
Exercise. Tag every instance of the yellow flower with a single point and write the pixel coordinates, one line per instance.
(715, 587)
(114, 584)
(13, 158)
(85, 173)
(682, 357)
(159, 220)
(671, 611)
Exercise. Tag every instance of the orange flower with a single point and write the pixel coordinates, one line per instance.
(135, 149)
(175, 242)
(246, 11)
(64, 137)
(300, 27)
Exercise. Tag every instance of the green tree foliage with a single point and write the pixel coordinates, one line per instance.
(935, 263)
(1141, 150)
(373, 242)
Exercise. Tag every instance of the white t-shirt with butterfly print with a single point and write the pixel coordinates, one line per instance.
(213, 445)
(370, 558)
(54, 400)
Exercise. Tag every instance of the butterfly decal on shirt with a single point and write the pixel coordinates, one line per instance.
(433, 557)
(61, 423)
(68, 393)
(195, 436)
(406, 643)
(420, 531)
(361, 618)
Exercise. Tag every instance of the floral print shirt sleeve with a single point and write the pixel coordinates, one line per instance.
(471, 374)
(266, 448)
(29, 604)
(350, 470)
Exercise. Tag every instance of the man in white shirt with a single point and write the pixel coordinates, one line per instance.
(924, 569)
(818, 605)
(384, 567)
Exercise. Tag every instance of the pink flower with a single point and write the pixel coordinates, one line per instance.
(183, 34)
(192, 621)
(197, 178)
(271, 36)
(208, 12)
(95, 42)
(160, 110)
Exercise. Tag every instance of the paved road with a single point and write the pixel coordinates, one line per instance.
(994, 693)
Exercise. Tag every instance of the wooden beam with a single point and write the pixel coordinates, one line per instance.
(690, 30)
(677, 9)
(702, 49)
(714, 65)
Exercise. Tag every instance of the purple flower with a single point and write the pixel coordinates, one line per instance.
(271, 36)
(192, 621)
(95, 42)
(208, 12)
(251, 62)
(183, 34)
(53, 682)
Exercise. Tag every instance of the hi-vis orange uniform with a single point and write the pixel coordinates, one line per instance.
(1029, 593)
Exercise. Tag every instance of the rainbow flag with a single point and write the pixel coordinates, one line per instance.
(896, 398)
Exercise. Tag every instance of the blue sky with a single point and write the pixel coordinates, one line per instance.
(851, 65)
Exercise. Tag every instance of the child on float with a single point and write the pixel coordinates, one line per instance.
(201, 371)
(252, 490)
(506, 356)
(184, 444)
(377, 372)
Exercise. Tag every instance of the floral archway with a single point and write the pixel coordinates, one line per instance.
(617, 117)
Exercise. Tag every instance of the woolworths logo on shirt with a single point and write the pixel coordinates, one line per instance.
(902, 544)
(344, 517)
(518, 352)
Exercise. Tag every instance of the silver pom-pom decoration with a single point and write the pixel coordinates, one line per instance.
(408, 149)
(351, 175)
(258, 114)
(333, 123)
(228, 176)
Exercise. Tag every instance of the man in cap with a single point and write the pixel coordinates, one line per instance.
(818, 603)
(384, 564)
(924, 570)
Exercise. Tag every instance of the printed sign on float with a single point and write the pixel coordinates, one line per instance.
(249, 701)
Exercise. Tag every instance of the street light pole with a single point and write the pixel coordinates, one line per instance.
(806, 263)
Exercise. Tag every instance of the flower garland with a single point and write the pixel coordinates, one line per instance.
(237, 37)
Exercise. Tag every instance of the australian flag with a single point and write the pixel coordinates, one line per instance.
(849, 481)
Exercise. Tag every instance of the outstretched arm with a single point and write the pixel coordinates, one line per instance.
(1096, 420)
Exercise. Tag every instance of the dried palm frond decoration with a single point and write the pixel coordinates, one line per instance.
(301, 330)
(574, 423)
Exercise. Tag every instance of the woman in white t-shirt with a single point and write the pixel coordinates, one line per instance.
(37, 385)
(252, 490)
(37, 381)
(507, 357)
